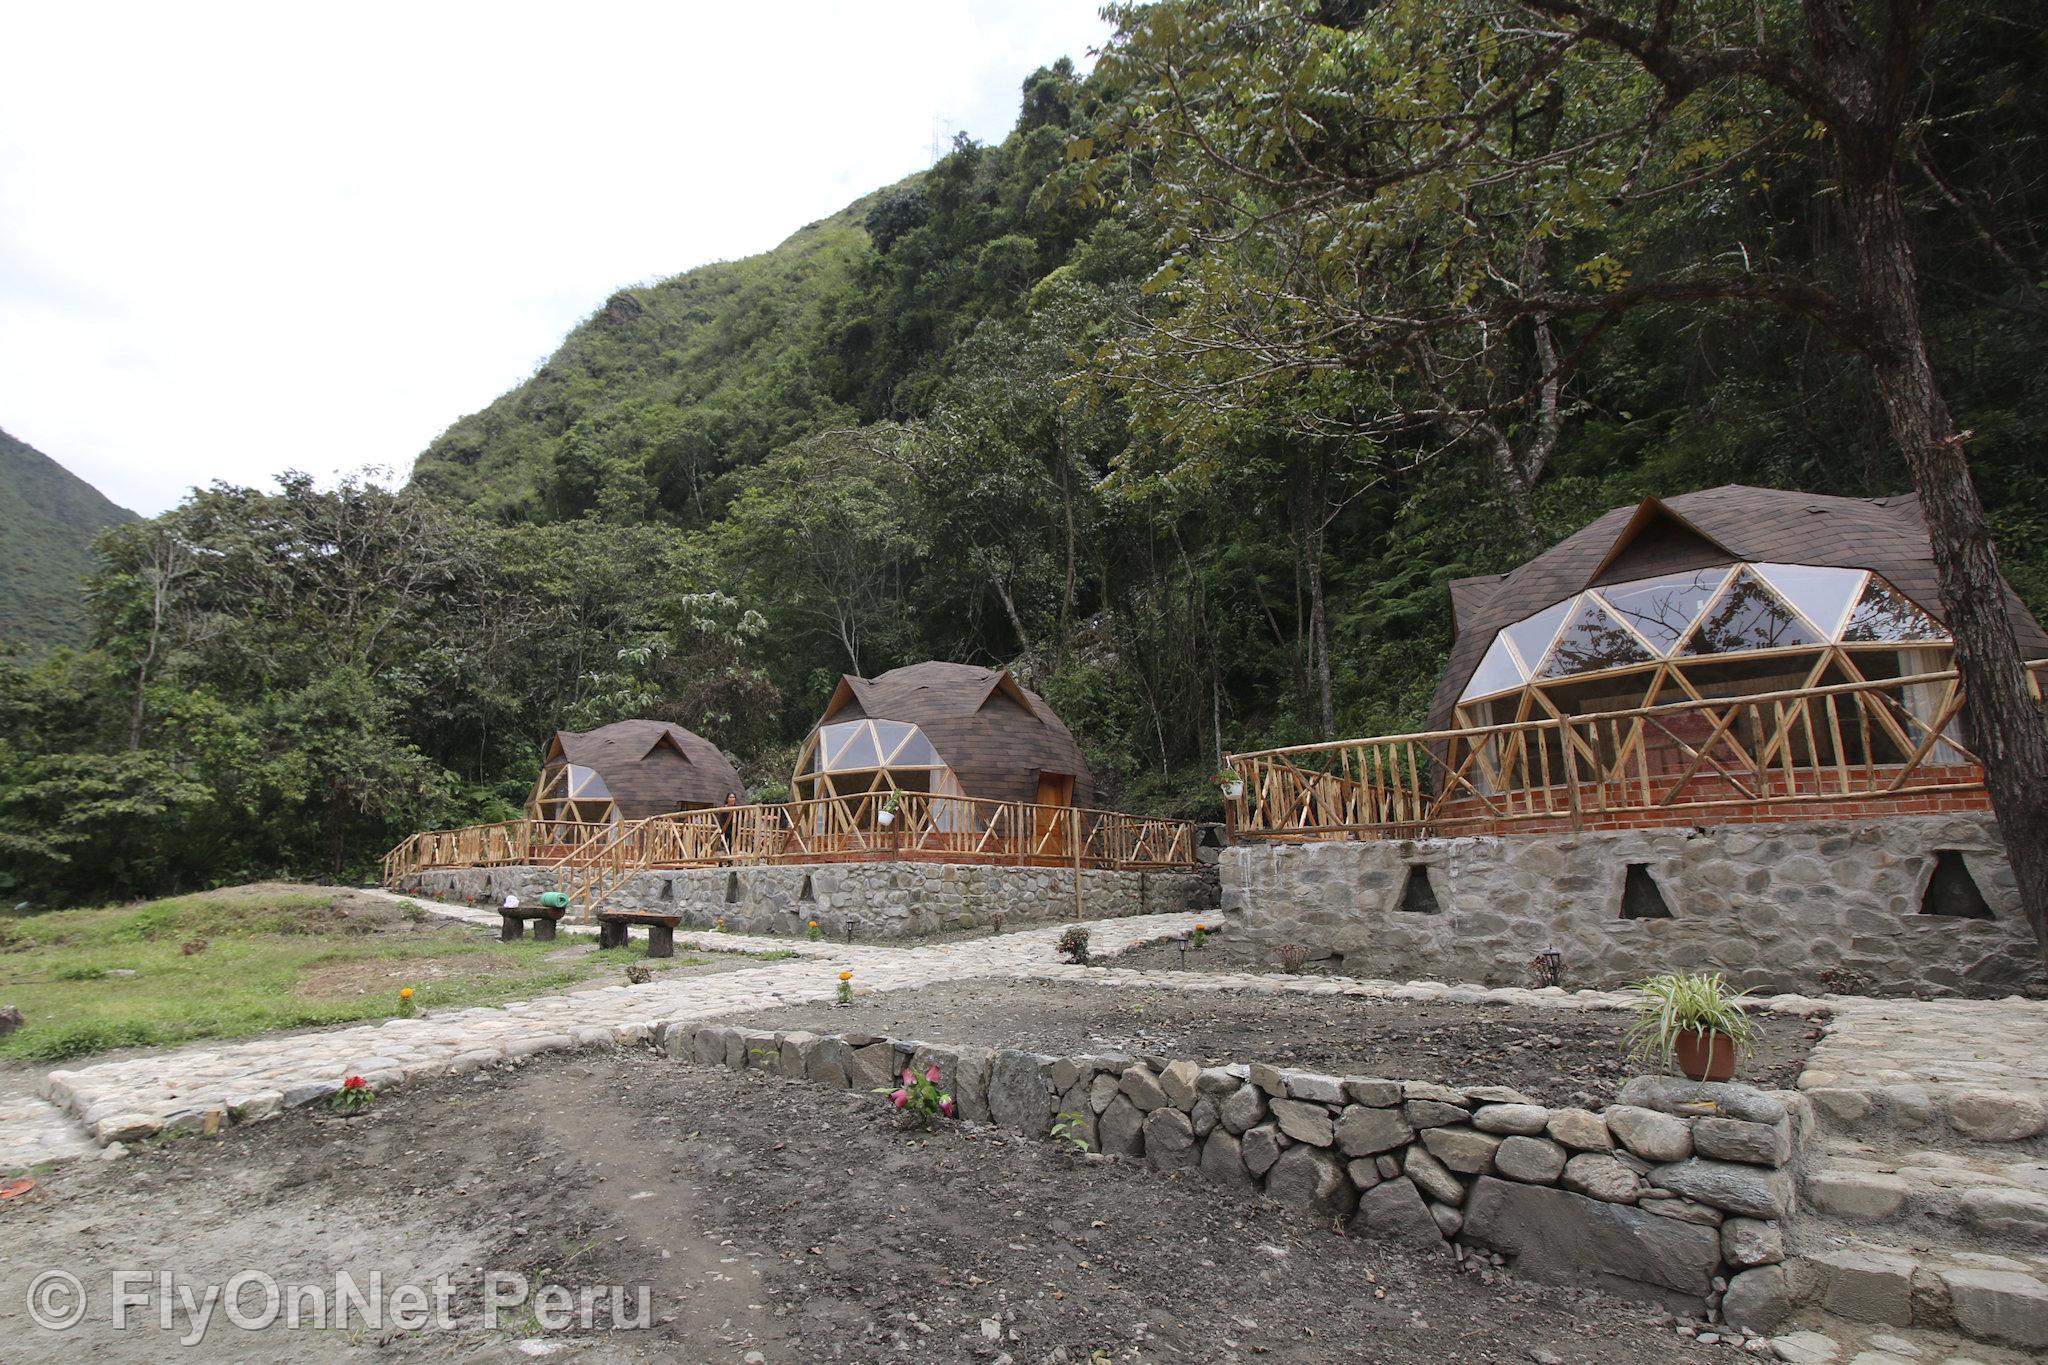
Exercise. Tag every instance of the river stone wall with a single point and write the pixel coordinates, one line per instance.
(1774, 906)
(866, 900)
(1674, 1194)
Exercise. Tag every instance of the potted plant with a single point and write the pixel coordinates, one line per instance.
(1692, 1020)
(887, 815)
(1230, 782)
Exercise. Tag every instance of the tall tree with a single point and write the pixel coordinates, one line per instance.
(1359, 188)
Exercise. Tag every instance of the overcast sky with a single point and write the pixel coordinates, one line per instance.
(241, 239)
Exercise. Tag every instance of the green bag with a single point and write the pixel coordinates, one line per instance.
(553, 900)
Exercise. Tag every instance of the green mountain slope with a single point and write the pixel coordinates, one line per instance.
(48, 517)
(689, 379)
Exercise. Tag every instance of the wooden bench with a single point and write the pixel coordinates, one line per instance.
(613, 927)
(514, 920)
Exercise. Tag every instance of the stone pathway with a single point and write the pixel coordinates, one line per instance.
(1927, 1181)
(204, 1087)
(34, 1131)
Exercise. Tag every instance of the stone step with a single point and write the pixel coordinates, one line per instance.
(1944, 1198)
(1981, 1295)
(1904, 1109)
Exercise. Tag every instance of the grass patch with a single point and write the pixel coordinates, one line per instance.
(226, 966)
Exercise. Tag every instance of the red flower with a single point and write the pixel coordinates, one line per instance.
(355, 1083)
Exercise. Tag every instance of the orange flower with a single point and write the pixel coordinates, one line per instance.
(846, 976)
(814, 924)
(405, 993)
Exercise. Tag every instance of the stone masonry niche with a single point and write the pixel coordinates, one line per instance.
(1418, 897)
(1641, 898)
(1951, 890)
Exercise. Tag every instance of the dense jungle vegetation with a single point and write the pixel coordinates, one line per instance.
(1095, 403)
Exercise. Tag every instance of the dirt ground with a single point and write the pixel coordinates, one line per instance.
(1555, 1056)
(764, 1216)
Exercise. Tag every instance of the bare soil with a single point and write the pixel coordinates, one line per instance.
(765, 1216)
(1555, 1056)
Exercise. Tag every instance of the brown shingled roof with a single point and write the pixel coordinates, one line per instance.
(651, 766)
(995, 734)
(1697, 530)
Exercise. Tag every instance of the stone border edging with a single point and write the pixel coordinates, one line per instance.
(1675, 1193)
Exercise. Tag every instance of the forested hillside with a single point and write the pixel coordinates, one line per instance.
(48, 517)
(1108, 402)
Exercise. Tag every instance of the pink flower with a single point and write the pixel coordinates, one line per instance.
(946, 1108)
(909, 1076)
(931, 1073)
(899, 1098)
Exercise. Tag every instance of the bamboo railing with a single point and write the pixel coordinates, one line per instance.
(828, 829)
(507, 843)
(1850, 742)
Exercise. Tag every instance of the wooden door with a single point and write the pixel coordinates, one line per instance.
(1055, 790)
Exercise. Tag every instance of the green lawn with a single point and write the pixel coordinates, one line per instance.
(272, 958)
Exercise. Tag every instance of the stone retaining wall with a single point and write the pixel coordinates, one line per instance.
(864, 900)
(1773, 906)
(1673, 1194)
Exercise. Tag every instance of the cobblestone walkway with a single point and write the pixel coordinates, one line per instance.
(204, 1087)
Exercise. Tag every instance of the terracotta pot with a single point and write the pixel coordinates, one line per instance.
(1704, 1056)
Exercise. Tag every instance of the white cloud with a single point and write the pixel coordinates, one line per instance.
(240, 239)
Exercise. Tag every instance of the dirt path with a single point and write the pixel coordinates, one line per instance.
(1555, 1056)
(763, 1216)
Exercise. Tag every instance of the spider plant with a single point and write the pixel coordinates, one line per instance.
(1677, 1003)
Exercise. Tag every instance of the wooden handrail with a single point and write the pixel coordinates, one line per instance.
(823, 829)
(1844, 741)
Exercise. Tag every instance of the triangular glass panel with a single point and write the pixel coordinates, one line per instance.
(1883, 616)
(858, 752)
(1662, 608)
(891, 734)
(1593, 641)
(1531, 637)
(1497, 672)
(1822, 594)
(1748, 616)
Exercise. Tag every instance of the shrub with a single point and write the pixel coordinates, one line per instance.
(921, 1096)
(354, 1096)
(1292, 957)
(1073, 945)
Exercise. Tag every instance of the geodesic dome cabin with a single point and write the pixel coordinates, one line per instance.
(629, 770)
(1719, 594)
(947, 729)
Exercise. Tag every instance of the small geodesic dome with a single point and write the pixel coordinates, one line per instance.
(629, 770)
(943, 728)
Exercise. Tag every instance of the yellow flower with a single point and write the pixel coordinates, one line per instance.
(846, 976)
(405, 993)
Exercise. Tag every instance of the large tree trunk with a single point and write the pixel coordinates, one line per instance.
(2004, 723)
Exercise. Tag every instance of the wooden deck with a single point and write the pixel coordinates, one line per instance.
(920, 827)
(1851, 751)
